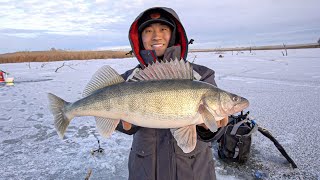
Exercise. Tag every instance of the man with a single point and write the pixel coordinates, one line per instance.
(157, 34)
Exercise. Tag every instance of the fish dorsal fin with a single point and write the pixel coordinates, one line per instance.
(174, 69)
(104, 77)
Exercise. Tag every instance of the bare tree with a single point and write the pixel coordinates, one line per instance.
(42, 65)
(62, 66)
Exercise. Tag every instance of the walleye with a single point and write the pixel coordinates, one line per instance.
(162, 95)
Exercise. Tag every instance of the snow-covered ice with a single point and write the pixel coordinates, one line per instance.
(284, 95)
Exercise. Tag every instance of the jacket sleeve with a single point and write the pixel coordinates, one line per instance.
(119, 127)
(207, 75)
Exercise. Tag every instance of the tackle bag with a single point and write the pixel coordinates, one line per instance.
(235, 139)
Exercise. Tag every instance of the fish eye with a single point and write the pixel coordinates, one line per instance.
(235, 98)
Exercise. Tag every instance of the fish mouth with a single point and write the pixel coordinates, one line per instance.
(244, 103)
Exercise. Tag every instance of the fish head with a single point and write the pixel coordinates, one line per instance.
(232, 103)
(223, 104)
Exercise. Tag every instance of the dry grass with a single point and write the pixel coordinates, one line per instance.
(59, 55)
(258, 48)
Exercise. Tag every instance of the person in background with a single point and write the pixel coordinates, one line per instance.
(155, 35)
(2, 75)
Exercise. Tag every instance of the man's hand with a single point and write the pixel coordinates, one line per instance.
(223, 122)
(126, 126)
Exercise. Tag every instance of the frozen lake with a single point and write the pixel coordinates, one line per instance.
(284, 95)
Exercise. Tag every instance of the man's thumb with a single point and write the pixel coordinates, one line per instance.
(126, 126)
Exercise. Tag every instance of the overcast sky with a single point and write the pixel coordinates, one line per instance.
(104, 24)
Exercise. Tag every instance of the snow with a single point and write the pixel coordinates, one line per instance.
(284, 93)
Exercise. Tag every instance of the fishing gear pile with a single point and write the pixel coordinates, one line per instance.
(235, 139)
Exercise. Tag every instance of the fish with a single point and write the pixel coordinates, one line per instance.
(162, 95)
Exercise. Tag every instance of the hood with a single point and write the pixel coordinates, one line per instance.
(180, 34)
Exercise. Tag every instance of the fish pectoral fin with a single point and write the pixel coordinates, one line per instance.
(208, 119)
(106, 126)
(186, 137)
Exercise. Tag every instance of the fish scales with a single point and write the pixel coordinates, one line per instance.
(166, 99)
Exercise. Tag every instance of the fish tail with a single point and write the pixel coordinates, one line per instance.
(58, 108)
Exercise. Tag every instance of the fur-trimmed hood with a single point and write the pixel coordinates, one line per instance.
(180, 34)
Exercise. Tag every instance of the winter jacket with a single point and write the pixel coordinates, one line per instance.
(155, 154)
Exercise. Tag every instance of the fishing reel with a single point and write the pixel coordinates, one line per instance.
(99, 150)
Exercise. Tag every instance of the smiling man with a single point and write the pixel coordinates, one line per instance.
(156, 31)
(156, 37)
(157, 34)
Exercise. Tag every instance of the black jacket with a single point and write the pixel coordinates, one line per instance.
(155, 154)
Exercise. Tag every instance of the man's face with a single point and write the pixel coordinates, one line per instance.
(156, 37)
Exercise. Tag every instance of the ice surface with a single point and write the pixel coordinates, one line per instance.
(284, 95)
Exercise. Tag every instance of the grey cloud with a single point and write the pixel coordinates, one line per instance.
(20, 31)
(75, 42)
(215, 23)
